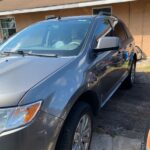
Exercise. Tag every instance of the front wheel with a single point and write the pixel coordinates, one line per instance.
(77, 131)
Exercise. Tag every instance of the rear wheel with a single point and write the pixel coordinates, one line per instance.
(128, 83)
(77, 131)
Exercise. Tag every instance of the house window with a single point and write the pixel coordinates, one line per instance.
(49, 17)
(7, 28)
(96, 11)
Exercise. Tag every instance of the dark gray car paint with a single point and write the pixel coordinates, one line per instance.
(41, 134)
(19, 73)
(58, 82)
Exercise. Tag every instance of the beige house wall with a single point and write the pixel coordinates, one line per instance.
(136, 15)
(24, 20)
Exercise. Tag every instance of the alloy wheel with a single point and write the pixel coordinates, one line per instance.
(82, 134)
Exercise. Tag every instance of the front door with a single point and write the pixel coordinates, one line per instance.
(111, 65)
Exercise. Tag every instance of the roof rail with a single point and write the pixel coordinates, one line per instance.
(103, 13)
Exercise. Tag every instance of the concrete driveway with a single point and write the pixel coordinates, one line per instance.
(121, 124)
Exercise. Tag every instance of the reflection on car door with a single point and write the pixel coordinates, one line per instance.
(117, 62)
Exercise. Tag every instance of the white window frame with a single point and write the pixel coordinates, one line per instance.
(103, 7)
(8, 17)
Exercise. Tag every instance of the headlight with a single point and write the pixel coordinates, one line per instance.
(11, 118)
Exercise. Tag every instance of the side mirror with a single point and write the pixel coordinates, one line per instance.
(107, 44)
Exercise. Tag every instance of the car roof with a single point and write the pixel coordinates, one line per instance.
(53, 18)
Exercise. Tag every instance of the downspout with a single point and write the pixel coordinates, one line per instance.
(129, 15)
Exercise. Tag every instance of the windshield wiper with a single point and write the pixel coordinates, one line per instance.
(28, 53)
(42, 55)
(15, 52)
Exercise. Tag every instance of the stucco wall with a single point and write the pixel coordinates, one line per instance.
(24, 20)
(140, 24)
(135, 14)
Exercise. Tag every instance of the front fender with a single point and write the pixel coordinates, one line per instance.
(60, 91)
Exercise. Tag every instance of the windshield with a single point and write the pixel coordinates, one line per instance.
(62, 37)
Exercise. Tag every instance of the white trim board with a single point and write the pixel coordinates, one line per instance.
(66, 6)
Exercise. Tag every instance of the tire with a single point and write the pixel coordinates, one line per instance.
(69, 132)
(129, 81)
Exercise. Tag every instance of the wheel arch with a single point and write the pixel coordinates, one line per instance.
(91, 98)
(133, 58)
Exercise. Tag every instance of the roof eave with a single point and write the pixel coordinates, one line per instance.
(66, 6)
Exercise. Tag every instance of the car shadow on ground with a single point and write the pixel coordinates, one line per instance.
(128, 111)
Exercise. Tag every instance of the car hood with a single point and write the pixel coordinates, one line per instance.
(20, 73)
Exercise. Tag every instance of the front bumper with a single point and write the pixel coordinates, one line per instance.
(41, 134)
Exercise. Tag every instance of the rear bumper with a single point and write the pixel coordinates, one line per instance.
(41, 134)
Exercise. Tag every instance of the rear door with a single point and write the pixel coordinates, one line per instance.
(123, 53)
(129, 44)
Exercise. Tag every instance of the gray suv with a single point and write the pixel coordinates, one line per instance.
(55, 75)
